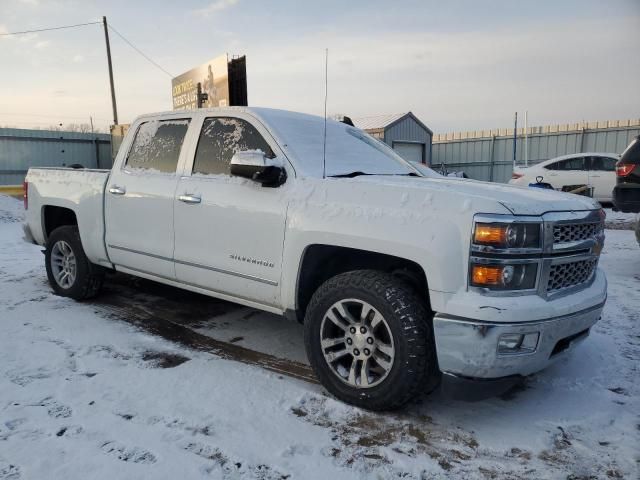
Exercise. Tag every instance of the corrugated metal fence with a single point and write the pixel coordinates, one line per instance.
(488, 154)
(21, 149)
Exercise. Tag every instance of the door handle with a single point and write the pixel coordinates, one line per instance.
(595, 176)
(116, 190)
(188, 198)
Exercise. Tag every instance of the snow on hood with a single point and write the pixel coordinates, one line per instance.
(518, 200)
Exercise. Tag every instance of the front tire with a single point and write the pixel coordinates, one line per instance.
(69, 271)
(369, 340)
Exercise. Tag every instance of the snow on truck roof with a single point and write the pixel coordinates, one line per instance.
(301, 136)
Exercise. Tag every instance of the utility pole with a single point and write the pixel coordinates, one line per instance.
(113, 91)
(200, 97)
(526, 138)
(91, 122)
(515, 138)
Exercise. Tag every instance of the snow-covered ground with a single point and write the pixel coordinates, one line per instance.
(85, 395)
(620, 220)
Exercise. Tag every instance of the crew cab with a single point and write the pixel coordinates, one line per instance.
(402, 278)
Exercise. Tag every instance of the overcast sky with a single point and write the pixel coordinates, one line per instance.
(458, 65)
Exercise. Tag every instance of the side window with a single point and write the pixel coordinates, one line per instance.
(569, 164)
(603, 164)
(220, 138)
(156, 146)
(609, 164)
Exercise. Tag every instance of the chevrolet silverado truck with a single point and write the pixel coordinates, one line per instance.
(403, 279)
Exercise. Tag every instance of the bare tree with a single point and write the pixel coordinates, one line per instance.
(77, 127)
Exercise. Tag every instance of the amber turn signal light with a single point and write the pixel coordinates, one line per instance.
(486, 275)
(486, 233)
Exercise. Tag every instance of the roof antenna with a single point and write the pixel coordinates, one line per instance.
(324, 144)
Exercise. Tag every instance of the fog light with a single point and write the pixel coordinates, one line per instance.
(509, 342)
(530, 342)
(518, 343)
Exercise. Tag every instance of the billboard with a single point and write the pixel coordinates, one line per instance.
(238, 81)
(214, 79)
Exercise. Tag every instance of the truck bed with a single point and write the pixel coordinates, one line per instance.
(81, 190)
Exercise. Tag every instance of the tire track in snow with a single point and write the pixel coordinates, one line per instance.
(171, 317)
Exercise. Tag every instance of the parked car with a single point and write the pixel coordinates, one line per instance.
(401, 279)
(595, 169)
(626, 194)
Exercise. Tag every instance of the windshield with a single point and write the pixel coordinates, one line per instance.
(348, 149)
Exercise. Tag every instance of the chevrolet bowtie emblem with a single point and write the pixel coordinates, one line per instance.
(597, 248)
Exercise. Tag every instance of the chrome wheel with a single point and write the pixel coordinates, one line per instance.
(357, 343)
(63, 264)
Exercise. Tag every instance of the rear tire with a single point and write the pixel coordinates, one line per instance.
(69, 271)
(370, 341)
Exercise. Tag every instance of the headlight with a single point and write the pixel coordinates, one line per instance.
(507, 235)
(520, 276)
(505, 252)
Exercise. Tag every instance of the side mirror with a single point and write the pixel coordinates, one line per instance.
(256, 166)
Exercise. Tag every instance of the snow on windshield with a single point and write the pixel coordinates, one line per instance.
(348, 149)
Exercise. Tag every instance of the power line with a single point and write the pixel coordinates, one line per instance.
(48, 29)
(6, 34)
(138, 50)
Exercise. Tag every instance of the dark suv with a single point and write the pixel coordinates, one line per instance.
(626, 194)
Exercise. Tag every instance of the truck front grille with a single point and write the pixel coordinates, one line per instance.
(574, 232)
(565, 275)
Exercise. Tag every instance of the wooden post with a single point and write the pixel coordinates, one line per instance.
(113, 91)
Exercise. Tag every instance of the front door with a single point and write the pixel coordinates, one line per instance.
(139, 199)
(229, 231)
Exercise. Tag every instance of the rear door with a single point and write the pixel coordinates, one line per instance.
(602, 176)
(229, 231)
(566, 173)
(139, 198)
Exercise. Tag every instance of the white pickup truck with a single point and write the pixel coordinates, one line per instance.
(401, 278)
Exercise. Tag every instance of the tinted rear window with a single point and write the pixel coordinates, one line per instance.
(569, 164)
(606, 164)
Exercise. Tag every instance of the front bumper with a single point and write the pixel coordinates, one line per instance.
(469, 348)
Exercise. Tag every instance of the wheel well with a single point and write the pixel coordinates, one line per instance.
(55, 217)
(321, 262)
